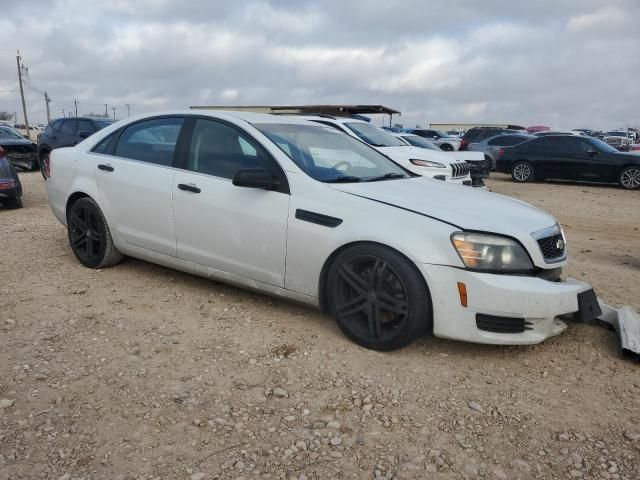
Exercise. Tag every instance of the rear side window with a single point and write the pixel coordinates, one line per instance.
(105, 146)
(85, 126)
(69, 127)
(152, 141)
(507, 140)
(55, 125)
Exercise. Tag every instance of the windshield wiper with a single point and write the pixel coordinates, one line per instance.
(386, 176)
(343, 179)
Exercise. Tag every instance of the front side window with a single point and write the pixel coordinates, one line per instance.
(69, 127)
(330, 156)
(374, 136)
(153, 141)
(221, 150)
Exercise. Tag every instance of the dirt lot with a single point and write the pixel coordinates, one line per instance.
(139, 372)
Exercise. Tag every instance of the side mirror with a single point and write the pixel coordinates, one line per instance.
(84, 134)
(256, 178)
(435, 137)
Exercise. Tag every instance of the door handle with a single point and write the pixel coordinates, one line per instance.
(189, 187)
(106, 168)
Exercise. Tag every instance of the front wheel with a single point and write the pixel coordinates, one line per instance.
(522, 172)
(378, 297)
(629, 178)
(446, 147)
(89, 235)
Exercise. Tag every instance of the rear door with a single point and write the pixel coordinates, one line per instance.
(135, 179)
(238, 230)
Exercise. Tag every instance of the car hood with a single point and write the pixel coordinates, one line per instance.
(407, 153)
(463, 207)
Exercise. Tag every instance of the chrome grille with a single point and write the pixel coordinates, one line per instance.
(459, 170)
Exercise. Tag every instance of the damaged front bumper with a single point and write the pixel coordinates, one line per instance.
(626, 322)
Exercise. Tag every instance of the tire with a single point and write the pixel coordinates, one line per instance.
(629, 177)
(378, 297)
(522, 172)
(12, 203)
(34, 165)
(89, 235)
(44, 161)
(446, 147)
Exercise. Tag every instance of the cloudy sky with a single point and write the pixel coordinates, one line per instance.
(563, 63)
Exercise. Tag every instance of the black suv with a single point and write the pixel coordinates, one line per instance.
(477, 134)
(67, 132)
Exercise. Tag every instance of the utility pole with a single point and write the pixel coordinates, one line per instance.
(114, 112)
(24, 105)
(106, 114)
(128, 109)
(47, 101)
(63, 113)
(75, 103)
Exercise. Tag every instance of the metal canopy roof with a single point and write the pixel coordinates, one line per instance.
(336, 110)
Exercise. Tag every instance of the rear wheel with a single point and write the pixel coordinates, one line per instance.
(446, 147)
(13, 203)
(522, 172)
(629, 178)
(378, 297)
(89, 235)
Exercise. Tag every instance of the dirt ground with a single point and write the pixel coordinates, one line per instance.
(140, 372)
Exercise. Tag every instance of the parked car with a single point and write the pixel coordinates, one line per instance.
(66, 132)
(390, 255)
(491, 146)
(479, 167)
(443, 140)
(10, 186)
(477, 134)
(20, 151)
(437, 165)
(618, 139)
(568, 157)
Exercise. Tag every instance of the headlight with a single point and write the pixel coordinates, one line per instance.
(479, 251)
(427, 163)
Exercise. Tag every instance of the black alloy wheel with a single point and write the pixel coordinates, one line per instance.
(522, 172)
(378, 297)
(89, 235)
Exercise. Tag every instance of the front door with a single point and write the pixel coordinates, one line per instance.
(238, 230)
(136, 182)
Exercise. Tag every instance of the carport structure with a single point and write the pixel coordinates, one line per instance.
(333, 110)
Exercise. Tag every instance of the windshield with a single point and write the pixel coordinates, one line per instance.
(602, 146)
(616, 134)
(328, 155)
(6, 133)
(417, 141)
(374, 136)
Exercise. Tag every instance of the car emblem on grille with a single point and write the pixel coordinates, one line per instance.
(560, 244)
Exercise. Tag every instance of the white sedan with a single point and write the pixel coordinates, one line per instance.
(298, 210)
